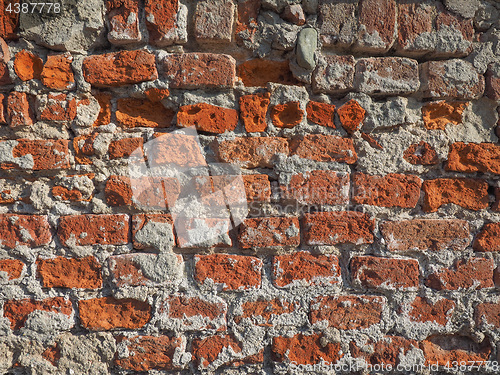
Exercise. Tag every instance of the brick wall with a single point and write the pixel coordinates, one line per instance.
(365, 133)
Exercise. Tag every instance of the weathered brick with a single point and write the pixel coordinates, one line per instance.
(426, 234)
(200, 70)
(488, 239)
(102, 314)
(377, 25)
(422, 310)
(104, 100)
(338, 21)
(334, 74)
(10, 269)
(27, 65)
(207, 118)
(144, 269)
(153, 231)
(251, 152)
(118, 191)
(474, 157)
(467, 193)
(421, 153)
(123, 21)
(385, 273)
(476, 273)
(318, 187)
(304, 269)
(287, 115)
(4, 50)
(18, 311)
(451, 79)
(64, 272)
(157, 94)
(80, 230)
(162, 22)
(123, 148)
(257, 187)
(347, 312)
(321, 113)
(192, 313)
(57, 107)
(246, 23)
(57, 73)
(392, 190)
(203, 232)
(265, 312)
(213, 21)
(182, 150)
(387, 76)
(35, 154)
(119, 68)
(305, 350)
(52, 354)
(488, 314)
(228, 272)
(28, 230)
(20, 109)
(437, 115)
(493, 82)
(132, 113)
(258, 72)
(388, 350)
(445, 349)
(3, 105)
(320, 147)
(74, 188)
(4, 74)
(331, 228)
(269, 232)
(9, 23)
(145, 353)
(351, 116)
(253, 109)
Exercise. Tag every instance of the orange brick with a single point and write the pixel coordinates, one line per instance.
(63, 272)
(207, 118)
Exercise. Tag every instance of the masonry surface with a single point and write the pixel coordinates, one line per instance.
(367, 136)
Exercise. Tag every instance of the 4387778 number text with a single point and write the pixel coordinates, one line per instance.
(33, 8)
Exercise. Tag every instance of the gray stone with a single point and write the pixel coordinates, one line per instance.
(307, 42)
(466, 8)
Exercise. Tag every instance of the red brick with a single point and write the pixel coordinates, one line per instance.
(423, 310)
(213, 21)
(334, 74)
(387, 76)
(10, 269)
(476, 273)
(377, 25)
(351, 116)
(414, 19)
(467, 193)
(74, 188)
(372, 141)
(52, 354)
(200, 70)
(4, 50)
(191, 313)
(293, 13)
(488, 314)
(488, 239)
(64, 272)
(257, 187)
(27, 65)
(493, 82)
(304, 269)
(253, 109)
(338, 23)
(427, 234)
(331, 228)
(385, 273)
(389, 350)
(305, 350)
(28, 230)
(392, 190)
(287, 115)
(119, 68)
(123, 148)
(207, 118)
(20, 109)
(135, 269)
(4, 74)
(451, 79)
(151, 220)
(154, 192)
(258, 72)
(447, 349)
(131, 113)
(57, 73)
(474, 157)
(104, 101)
(57, 107)
(9, 22)
(265, 313)
(123, 21)
(18, 311)
(320, 147)
(156, 95)
(421, 153)
(179, 149)
(437, 115)
(246, 24)
(269, 232)
(147, 353)
(102, 314)
(321, 113)
(228, 272)
(36, 154)
(161, 22)
(118, 191)
(3, 118)
(463, 31)
(81, 230)
(252, 152)
(84, 147)
(318, 187)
